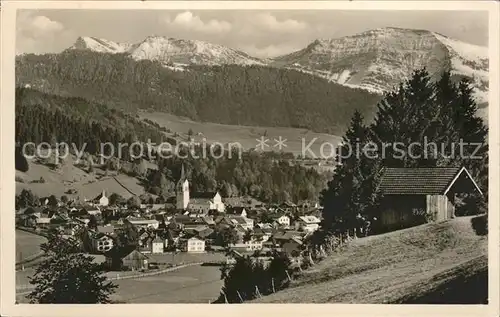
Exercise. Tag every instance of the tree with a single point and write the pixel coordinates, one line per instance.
(134, 202)
(238, 280)
(278, 268)
(64, 199)
(347, 193)
(248, 236)
(116, 199)
(68, 277)
(227, 236)
(139, 167)
(92, 224)
(20, 161)
(27, 199)
(129, 236)
(52, 201)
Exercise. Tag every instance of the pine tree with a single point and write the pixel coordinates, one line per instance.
(350, 191)
(68, 277)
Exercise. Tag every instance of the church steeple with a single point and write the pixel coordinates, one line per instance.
(182, 191)
(182, 173)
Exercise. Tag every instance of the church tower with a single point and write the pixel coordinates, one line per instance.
(182, 191)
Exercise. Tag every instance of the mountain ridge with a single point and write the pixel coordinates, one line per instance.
(375, 60)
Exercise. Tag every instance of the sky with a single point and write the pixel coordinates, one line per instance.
(258, 33)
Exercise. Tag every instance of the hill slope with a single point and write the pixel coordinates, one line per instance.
(70, 176)
(229, 94)
(390, 268)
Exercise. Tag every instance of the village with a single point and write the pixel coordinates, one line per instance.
(192, 223)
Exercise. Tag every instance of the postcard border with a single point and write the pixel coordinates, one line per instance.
(7, 170)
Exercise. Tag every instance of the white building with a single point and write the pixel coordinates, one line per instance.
(281, 219)
(101, 242)
(157, 245)
(197, 202)
(144, 223)
(101, 199)
(192, 245)
(309, 223)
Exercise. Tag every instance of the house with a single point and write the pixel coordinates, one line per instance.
(244, 222)
(308, 223)
(35, 211)
(192, 245)
(91, 210)
(172, 237)
(237, 211)
(263, 234)
(108, 229)
(281, 237)
(155, 207)
(281, 219)
(232, 256)
(144, 223)
(250, 245)
(208, 220)
(410, 195)
(292, 247)
(101, 242)
(101, 199)
(135, 260)
(158, 245)
(197, 202)
(203, 202)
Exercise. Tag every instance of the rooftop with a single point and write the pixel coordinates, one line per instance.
(423, 181)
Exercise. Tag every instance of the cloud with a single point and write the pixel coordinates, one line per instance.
(39, 34)
(188, 21)
(271, 23)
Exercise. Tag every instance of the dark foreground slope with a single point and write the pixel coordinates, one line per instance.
(433, 263)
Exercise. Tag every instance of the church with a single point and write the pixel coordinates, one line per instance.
(196, 202)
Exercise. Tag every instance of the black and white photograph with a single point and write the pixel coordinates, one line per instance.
(211, 155)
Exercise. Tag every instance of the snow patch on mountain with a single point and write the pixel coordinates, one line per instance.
(170, 50)
(99, 45)
(469, 60)
(378, 60)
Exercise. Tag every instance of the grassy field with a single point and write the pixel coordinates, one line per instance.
(69, 176)
(177, 286)
(194, 284)
(397, 267)
(27, 245)
(245, 135)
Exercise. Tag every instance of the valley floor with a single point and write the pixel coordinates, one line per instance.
(415, 265)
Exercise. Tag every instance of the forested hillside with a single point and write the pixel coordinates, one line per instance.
(48, 118)
(230, 94)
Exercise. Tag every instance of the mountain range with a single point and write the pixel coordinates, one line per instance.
(376, 60)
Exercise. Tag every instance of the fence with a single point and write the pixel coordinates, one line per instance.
(170, 269)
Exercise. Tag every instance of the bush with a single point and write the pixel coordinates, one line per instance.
(480, 225)
(20, 161)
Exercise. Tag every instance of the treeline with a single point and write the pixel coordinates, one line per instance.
(419, 111)
(230, 94)
(255, 174)
(48, 118)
